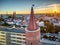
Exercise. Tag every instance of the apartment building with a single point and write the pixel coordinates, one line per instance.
(12, 37)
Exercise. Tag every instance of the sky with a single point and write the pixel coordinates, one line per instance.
(24, 6)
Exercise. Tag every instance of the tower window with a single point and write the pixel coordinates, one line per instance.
(31, 43)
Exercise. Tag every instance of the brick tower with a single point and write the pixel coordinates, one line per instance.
(32, 31)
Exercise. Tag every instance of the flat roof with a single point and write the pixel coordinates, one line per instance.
(13, 30)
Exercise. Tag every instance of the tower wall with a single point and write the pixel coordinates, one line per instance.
(33, 38)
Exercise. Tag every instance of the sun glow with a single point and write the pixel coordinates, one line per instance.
(53, 8)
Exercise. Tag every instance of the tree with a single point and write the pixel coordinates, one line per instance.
(5, 24)
(1, 19)
(57, 28)
(43, 29)
(45, 36)
(24, 26)
(9, 16)
(50, 27)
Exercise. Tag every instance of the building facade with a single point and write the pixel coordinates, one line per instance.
(12, 37)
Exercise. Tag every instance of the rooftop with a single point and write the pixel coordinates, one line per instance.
(12, 30)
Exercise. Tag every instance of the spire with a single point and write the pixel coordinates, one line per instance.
(32, 23)
(13, 16)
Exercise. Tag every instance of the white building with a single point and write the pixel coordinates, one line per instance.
(41, 23)
(12, 37)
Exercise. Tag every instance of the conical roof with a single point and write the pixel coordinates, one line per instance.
(32, 23)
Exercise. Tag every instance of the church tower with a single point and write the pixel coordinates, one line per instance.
(32, 31)
(14, 15)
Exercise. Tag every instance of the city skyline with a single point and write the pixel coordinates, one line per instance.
(29, 23)
(23, 6)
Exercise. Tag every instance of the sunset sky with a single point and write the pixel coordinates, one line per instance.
(24, 6)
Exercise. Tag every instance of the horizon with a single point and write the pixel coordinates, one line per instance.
(22, 7)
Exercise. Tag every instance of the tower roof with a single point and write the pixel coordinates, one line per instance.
(32, 23)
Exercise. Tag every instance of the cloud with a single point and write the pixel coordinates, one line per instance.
(53, 5)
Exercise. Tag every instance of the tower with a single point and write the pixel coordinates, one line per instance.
(32, 31)
(14, 15)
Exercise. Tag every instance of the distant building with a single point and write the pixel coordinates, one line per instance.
(41, 23)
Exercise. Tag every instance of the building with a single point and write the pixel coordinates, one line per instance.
(32, 31)
(2, 38)
(16, 21)
(12, 36)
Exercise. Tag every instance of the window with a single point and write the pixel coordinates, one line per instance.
(24, 39)
(19, 41)
(19, 38)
